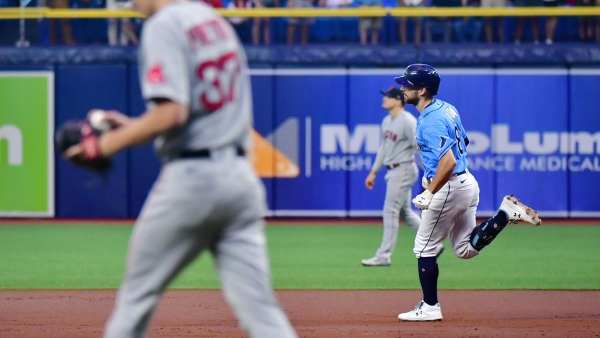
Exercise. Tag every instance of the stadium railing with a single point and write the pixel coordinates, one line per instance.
(52, 13)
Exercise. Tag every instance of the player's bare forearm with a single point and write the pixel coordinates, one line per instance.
(165, 116)
(443, 173)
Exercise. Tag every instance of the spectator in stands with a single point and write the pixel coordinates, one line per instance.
(586, 23)
(489, 22)
(335, 3)
(469, 25)
(440, 22)
(265, 22)
(304, 22)
(65, 24)
(551, 21)
(366, 24)
(240, 24)
(127, 32)
(85, 31)
(417, 21)
(598, 24)
(535, 30)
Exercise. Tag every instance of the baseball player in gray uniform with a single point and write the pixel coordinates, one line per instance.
(208, 197)
(397, 154)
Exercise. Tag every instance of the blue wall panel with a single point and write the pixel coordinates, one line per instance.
(264, 118)
(81, 194)
(365, 100)
(13, 68)
(534, 134)
(321, 99)
(584, 162)
(144, 164)
(533, 110)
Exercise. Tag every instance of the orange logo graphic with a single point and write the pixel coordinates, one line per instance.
(269, 161)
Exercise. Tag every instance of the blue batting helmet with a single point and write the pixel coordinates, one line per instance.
(420, 75)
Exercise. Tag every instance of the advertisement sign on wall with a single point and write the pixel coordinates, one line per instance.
(26, 144)
(534, 133)
(530, 136)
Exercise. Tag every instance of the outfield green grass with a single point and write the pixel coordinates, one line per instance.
(49, 256)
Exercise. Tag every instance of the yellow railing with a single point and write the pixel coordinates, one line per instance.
(43, 12)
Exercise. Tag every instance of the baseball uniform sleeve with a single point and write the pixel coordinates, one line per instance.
(378, 160)
(437, 140)
(164, 62)
(410, 131)
(380, 153)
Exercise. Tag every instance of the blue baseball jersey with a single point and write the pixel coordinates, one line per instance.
(439, 129)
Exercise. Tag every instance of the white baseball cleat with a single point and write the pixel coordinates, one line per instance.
(440, 251)
(423, 312)
(377, 261)
(518, 211)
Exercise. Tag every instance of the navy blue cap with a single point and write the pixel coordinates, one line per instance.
(394, 93)
(420, 75)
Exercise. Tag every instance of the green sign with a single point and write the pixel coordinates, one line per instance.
(26, 144)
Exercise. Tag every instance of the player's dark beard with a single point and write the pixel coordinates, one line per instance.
(412, 100)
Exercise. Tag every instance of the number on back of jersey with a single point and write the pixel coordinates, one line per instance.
(218, 75)
(219, 80)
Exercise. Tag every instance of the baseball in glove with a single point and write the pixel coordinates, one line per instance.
(83, 133)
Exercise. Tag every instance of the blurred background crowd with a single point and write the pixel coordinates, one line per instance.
(383, 30)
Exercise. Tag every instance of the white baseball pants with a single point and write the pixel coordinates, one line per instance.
(450, 214)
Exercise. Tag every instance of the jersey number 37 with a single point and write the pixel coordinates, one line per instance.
(219, 77)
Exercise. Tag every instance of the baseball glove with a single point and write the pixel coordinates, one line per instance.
(81, 132)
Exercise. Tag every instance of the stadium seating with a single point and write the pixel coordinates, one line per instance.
(323, 30)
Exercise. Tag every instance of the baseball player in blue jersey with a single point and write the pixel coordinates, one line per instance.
(449, 201)
(397, 154)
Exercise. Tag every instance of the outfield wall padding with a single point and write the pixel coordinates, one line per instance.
(535, 133)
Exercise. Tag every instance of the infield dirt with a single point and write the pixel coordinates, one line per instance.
(322, 314)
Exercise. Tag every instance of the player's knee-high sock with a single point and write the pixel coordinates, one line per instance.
(428, 276)
(484, 233)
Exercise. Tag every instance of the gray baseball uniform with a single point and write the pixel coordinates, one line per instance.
(211, 198)
(397, 153)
